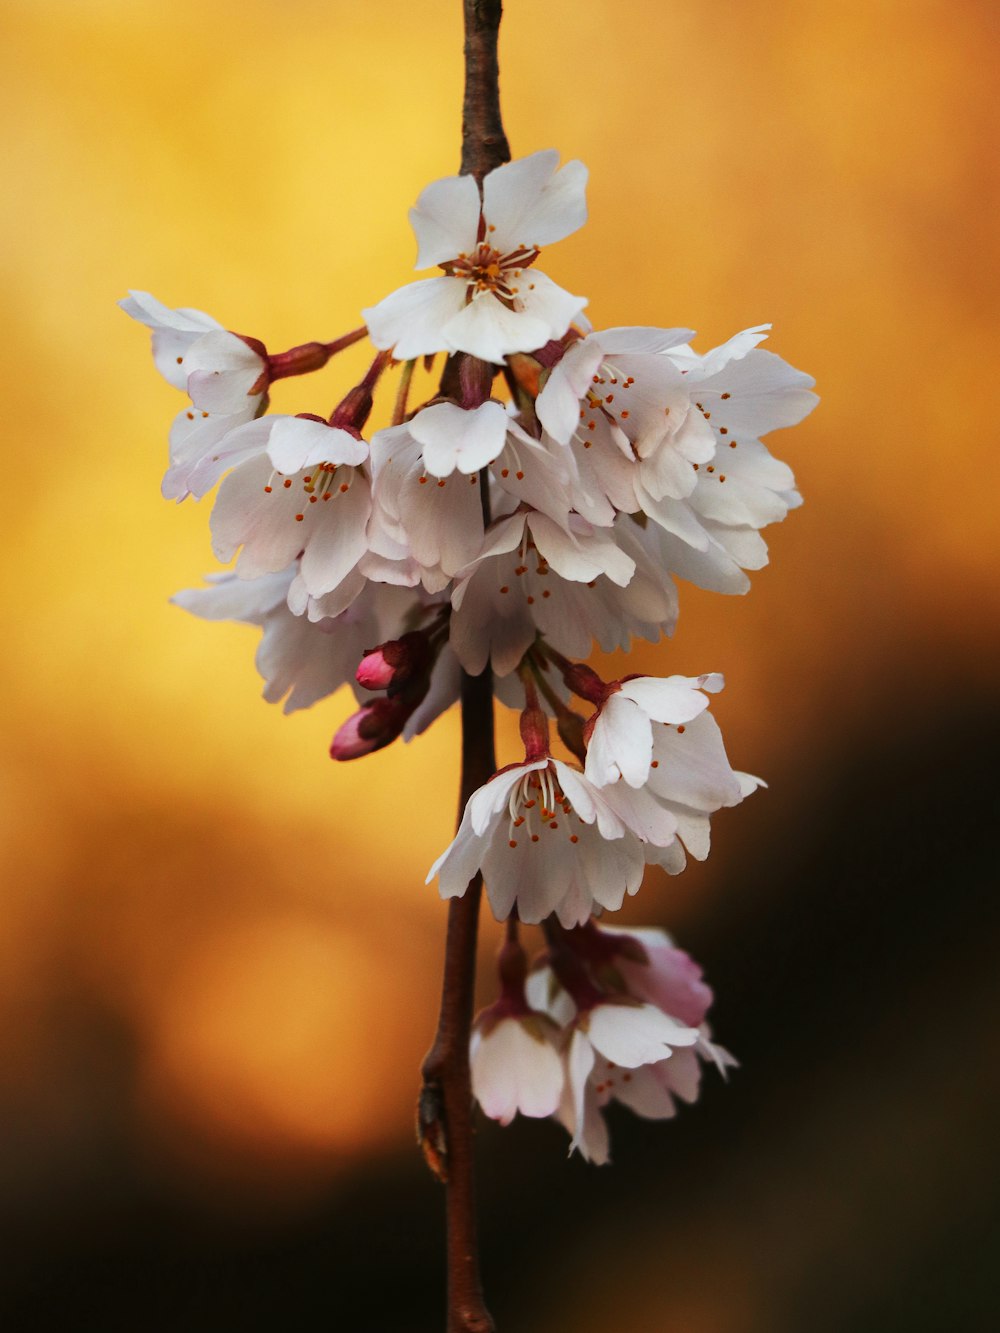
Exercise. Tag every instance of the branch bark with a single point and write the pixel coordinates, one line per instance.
(444, 1117)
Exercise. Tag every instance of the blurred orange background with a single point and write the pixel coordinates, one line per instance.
(216, 945)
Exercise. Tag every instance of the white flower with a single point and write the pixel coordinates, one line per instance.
(621, 732)
(613, 1045)
(225, 378)
(547, 841)
(516, 1066)
(620, 395)
(490, 301)
(321, 511)
(533, 576)
(691, 777)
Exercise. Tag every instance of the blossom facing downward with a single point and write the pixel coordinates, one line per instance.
(490, 301)
(225, 378)
(546, 841)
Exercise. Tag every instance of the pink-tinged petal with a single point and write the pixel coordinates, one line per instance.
(234, 447)
(451, 437)
(263, 522)
(693, 768)
(173, 333)
(530, 203)
(671, 698)
(677, 517)
(633, 1035)
(458, 863)
(412, 319)
(645, 1093)
(764, 392)
(445, 220)
(515, 1070)
(297, 443)
(735, 349)
(487, 801)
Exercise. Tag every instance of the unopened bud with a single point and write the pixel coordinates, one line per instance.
(392, 664)
(371, 728)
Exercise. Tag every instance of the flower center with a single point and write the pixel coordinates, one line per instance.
(323, 481)
(538, 805)
(487, 270)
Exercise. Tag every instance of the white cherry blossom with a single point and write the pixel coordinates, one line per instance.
(320, 512)
(620, 743)
(225, 378)
(546, 840)
(490, 301)
(534, 576)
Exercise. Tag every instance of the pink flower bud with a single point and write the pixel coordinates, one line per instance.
(391, 665)
(375, 671)
(371, 728)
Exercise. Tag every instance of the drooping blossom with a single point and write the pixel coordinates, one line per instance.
(633, 1010)
(545, 840)
(225, 377)
(490, 300)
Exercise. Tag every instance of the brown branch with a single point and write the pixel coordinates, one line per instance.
(444, 1117)
(484, 144)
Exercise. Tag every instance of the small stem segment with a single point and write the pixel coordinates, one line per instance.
(444, 1117)
(484, 144)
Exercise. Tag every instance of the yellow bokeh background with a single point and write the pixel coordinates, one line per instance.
(179, 858)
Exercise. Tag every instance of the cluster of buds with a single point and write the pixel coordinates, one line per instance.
(544, 499)
(402, 668)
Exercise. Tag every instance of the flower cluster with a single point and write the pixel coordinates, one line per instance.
(543, 500)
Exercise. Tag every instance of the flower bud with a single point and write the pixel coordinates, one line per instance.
(371, 728)
(392, 664)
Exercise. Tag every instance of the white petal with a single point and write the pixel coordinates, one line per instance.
(297, 443)
(412, 319)
(671, 698)
(558, 405)
(621, 744)
(633, 1035)
(337, 540)
(451, 437)
(490, 330)
(514, 1069)
(445, 220)
(529, 203)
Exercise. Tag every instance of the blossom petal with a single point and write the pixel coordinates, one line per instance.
(297, 443)
(633, 1035)
(530, 203)
(412, 319)
(445, 220)
(452, 437)
(515, 1070)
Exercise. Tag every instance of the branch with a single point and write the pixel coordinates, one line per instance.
(444, 1116)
